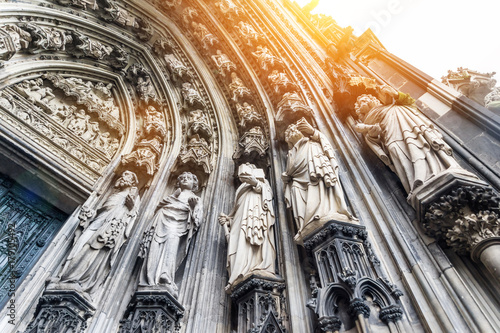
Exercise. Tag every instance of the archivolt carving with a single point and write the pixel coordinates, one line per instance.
(229, 9)
(97, 97)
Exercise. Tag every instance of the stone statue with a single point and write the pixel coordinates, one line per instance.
(265, 59)
(223, 63)
(249, 228)
(96, 248)
(312, 187)
(165, 245)
(402, 137)
(238, 88)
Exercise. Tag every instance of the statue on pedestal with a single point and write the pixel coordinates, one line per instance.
(165, 245)
(249, 228)
(96, 248)
(312, 187)
(402, 137)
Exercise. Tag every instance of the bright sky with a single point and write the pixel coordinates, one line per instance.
(432, 35)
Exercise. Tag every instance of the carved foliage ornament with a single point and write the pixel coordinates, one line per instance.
(464, 218)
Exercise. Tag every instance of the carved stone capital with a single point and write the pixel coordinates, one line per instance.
(61, 311)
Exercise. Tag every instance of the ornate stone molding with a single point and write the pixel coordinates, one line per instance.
(348, 270)
(259, 302)
(152, 311)
(61, 311)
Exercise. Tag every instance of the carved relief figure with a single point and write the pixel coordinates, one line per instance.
(78, 122)
(191, 95)
(155, 122)
(223, 63)
(248, 115)
(36, 91)
(176, 220)
(238, 88)
(247, 32)
(96, 249)
(281, 83)
(176, 67)
(20, 38)
(229, 9)
(46, 38)
(198, 124)
(249, 228)
(91, 48)
(402, 137)
(119, 15)
(312, 187)
(206, 38)
(265, 59)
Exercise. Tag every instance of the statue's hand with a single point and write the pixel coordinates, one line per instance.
(223, 219)
(249, 179)
(193, 201)
(375, 130)
(129, 202)
(304, 127)
(285, 177)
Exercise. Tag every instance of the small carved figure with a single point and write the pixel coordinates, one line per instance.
(191, 95)
(78, 122)
(402, 137)
(176, 220)
(119, 15)
(238, 88)
(312, 186)
(198, 124)
(91, 132)
(281, 83)
(91, 48)
(223, 63)
(248, 115)
(155, 122)
(95, 251)
(229, 9)
(36, 91)
(265, 59)
(188, 15)
(249, 228)
(206, 38)
(20, 37)
(45, 39)
(247, 32)
(176, 67)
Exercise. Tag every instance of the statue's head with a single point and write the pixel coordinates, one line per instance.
(127, 179)
(364, 104)
(187, 180)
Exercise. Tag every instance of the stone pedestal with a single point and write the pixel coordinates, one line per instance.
(259, 304)
(61, 311)
(440, 185)
(348, 271)
(152, 311)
